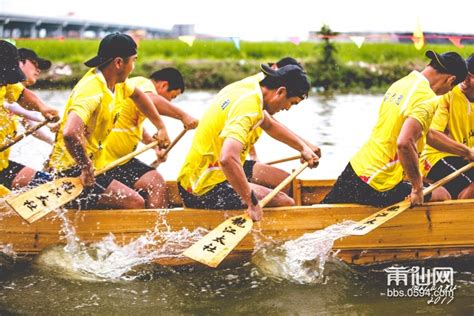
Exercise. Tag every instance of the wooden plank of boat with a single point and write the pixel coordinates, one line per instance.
(434, 229)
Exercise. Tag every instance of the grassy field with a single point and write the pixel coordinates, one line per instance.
(213, 64)
(74, 50)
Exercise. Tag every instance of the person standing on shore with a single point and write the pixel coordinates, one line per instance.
(375, 175)
(90, 113)
(162, 87)
(14, 175)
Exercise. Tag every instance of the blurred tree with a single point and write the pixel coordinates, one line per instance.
(328, 76)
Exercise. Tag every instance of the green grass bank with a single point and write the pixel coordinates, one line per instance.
(213, 64)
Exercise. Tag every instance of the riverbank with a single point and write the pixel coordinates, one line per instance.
(213, 64)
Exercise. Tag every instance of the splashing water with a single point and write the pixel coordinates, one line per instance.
(301, 260)
(8, 250)
(109, 260)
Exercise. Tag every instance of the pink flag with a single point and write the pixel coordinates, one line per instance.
(295, 40)
(456, 40)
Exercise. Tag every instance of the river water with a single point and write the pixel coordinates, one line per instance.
(52, 284)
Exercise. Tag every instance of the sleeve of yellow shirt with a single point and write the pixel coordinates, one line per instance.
(423, 112)
(146, 86)
(84, 102)
(128, 88)
(242, 117)
(441, 116)
(14, 92)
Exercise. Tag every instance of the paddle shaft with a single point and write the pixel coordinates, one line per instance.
(20, 137)
(274, 162)
(375, 220)
(448, 178)
(136, 153)
(156, 162)
(283, 184)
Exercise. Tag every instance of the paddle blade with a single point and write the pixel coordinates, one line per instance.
(375, 220)
(219, 242)
(39, 201)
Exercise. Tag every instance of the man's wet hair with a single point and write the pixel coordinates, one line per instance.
(172, 76)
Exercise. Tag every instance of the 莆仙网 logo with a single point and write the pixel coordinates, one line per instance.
(436, 284)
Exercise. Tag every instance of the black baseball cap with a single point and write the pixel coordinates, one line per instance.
(285, 61)
(113, 45)
(29, 54)
(470, 64)
(10, 71)
(450, 62)
(292, 77)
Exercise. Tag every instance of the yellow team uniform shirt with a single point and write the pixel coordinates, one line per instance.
(258, 131)
(10, 93)
(454, 113)
(236, 112)
(94, 103)
(376, 163)
(128, 130)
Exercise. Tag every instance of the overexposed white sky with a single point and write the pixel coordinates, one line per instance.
(263, 19)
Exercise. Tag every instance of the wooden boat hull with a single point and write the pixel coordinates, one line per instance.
(433, 230)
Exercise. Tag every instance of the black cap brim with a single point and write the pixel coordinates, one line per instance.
(433, 56)
(43, 64)
(11, 75)
(268, 70)
(96, 61)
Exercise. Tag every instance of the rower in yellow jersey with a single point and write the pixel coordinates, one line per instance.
(162, 87)
(32, 65)
(375, 175)
(12, 174)
(258, 172)
(454, 121)
(212, 176)
(90, 113)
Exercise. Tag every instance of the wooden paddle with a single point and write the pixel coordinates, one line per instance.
(26, 133)
(156, 163)
(39, 201)
(375, 220)
(274, 162)
(218, 243)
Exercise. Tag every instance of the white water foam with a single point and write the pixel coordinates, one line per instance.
(109, 260)
(301, 260)
(8, 250)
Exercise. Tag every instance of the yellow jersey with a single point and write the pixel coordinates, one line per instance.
(128, 130)
(235, 112)
(95, 104)
(376, 163)
(454, 113)
(258, 131)
(10, 93)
